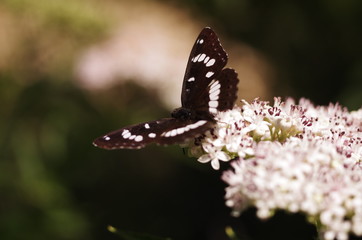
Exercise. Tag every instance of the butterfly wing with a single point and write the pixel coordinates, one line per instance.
(222, 91)
(207, 88)
(165, 131)
(205, 70)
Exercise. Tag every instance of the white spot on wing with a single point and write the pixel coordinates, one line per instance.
(210, 63)
(106, 138)
(139, 138)
(196, 124)
(201, 41)
(181, 130)
(209, 74)
(214, 85)
(214, 95)
(206, 59)
(196, 58)
(200, 123)
(147, 126)
(173, 133)
(126, 135)
(213, 110)
(202, 57)
(213, 104)
(152, 135)
(191, 79)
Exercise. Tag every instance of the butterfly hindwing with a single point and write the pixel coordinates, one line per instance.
(164, 132)
(220, 94)
(206, 61)
(222, 91)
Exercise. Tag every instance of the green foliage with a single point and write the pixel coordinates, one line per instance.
(231, 233)
(34, 145)
(80, 18)
(52, 180)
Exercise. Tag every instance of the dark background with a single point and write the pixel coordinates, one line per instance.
(55, 185)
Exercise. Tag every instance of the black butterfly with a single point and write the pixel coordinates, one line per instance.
(207, 88)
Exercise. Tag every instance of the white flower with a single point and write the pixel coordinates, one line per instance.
(299, 158)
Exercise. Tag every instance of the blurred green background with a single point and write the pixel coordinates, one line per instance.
(55, 185)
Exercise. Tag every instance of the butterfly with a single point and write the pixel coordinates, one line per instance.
(207, 88)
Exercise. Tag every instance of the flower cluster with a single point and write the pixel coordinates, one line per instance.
(294, 157)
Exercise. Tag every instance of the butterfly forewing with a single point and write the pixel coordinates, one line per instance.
(207, 59)
(165, 131)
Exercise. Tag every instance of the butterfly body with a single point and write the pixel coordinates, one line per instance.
(207, 88)
(183, 113)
